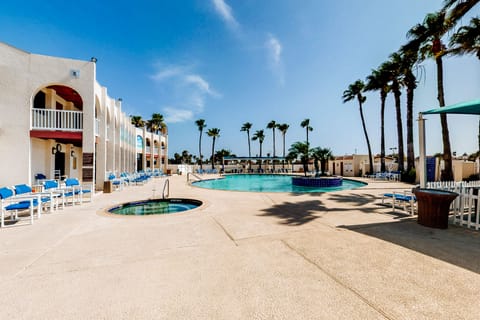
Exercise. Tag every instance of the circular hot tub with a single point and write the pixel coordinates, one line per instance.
(155, 206)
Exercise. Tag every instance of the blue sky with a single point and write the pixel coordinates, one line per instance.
(236, 61)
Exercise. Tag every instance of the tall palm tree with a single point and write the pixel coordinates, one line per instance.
(283, 129)
(355, 91)
(272, 125)
(260, 136)
(379, 80)
(393, 68)
(429, 34)
(409, 60)
(200, 125)
(214, 133)
(246, 128)
(137, 121)
(306, 124)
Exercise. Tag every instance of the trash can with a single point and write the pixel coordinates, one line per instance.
(169, 172)
(433, 207)
(107, 186)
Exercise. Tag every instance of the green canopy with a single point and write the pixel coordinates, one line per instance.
(469, 107)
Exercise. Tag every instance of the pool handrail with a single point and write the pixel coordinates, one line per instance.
(166, 186)
(192, 174)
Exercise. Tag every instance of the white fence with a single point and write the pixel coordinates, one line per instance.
(466, 209)
(50, 119)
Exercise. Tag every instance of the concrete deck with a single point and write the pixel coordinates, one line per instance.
(241, 255)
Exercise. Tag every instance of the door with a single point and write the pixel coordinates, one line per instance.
(60, 162)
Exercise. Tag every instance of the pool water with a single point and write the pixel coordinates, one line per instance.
(155, 206)
(268, 183)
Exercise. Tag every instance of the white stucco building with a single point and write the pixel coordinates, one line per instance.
(57, 120)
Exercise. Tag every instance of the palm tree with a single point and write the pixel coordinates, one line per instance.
(409, 58)
(272, 125)
(355, 91)
(322, 155)
(458, 9)
(378, 80)
(300, 149)
(306, 124)
(201, 125)
(214, 133)
(429, 34)
(260, 136)
(155, 123)
(283, 129)
(393, 68)
(246, 127)
(137, 121)
(467, 39)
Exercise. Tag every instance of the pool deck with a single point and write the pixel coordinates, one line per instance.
(241, 255)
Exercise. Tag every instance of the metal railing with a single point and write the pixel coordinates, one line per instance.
(166, 187)
(50, 119)
(192, 174)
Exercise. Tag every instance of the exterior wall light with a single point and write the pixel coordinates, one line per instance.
(72, 153)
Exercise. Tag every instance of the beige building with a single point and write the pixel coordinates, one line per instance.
(356, 165)
(58, 121)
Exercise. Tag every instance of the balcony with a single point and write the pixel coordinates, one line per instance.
(57, 120)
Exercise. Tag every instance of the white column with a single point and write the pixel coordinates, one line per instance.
(422, 165)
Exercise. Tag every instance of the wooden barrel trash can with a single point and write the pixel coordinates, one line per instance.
(433, 207)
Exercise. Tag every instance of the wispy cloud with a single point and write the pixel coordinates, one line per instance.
(274, 55)
(187, 91)
(174, 115)
(201, 83)
(225, 12)
(167, 72)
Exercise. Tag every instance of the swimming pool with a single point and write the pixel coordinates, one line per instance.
(268, 183)
(155, 206)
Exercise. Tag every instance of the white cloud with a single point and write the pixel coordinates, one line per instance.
(200, 83)
(186, 91)
(173, 115)
(225, 11)
(274, 56)
(274, 48)
(168, 72)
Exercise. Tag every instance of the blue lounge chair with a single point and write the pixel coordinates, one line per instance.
(44, 198)
(401, 200)
(116, 182)
(75, 189)
(12, 204)
(61, 194)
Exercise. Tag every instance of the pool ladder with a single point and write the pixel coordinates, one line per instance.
(192, 174)
(166, 187)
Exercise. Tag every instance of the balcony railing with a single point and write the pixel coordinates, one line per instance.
(50, 119)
